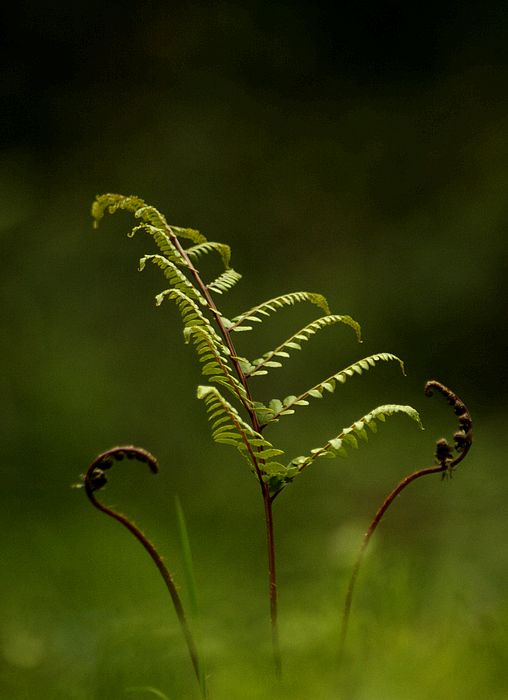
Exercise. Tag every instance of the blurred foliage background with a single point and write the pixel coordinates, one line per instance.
(358, 150)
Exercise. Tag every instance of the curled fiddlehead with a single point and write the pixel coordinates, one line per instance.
(463, 437)
(95, 477)
(93, 481)
(446, 464)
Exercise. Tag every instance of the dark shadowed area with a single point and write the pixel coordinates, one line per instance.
(358, 150)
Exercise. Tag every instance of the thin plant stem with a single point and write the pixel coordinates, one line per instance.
(273, 585)
(94, 479)
(446, 465)
(366, 538)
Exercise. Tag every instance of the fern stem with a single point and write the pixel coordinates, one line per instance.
(223, 330)
(265, 491)
(272, 574)
(94, 480)
(446, 464)
(366, 538)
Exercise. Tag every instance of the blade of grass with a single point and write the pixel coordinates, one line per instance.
(190, 579)
(188, 564)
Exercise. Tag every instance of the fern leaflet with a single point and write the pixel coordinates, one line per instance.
(174, 276)
(272, 305)
(189, 233)
(148, 214)
(203, 248)
(163, 242)
(285, 407)
(225, 281)
(293, 343)
(191, 315)
(215, 365)
(229, 428)
(348, 437)
(113, 202)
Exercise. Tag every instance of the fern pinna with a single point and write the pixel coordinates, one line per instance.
(236, 418)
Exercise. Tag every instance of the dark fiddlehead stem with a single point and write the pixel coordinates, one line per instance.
(446, 464)
(94, 480)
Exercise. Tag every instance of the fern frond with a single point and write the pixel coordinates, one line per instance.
(286, 407)
(174, 275)
(229, 428)
(225, 281)
(214, 362)
(348, 437)
(272, 305)
(294, 342)
(204, 248)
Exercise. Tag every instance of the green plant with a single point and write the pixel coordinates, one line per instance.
(236, 417)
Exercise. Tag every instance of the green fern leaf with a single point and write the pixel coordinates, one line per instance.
(112, 202)
(189, 233)
(153, 222)
(163, 241)
(174, 275)
(225, 281)
(191, 315)
(148, 214)
(272, 305)
(203, 248)
(330, 383)
(245, 365)
(348, 437)
(214, 362)
(229, 428)
(294, 342)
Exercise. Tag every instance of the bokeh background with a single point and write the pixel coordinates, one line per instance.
(359, 150)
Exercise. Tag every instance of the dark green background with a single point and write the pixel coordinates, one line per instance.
(359, 151)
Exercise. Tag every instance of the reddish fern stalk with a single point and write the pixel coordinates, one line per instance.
(446, 464)
(94, 480)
